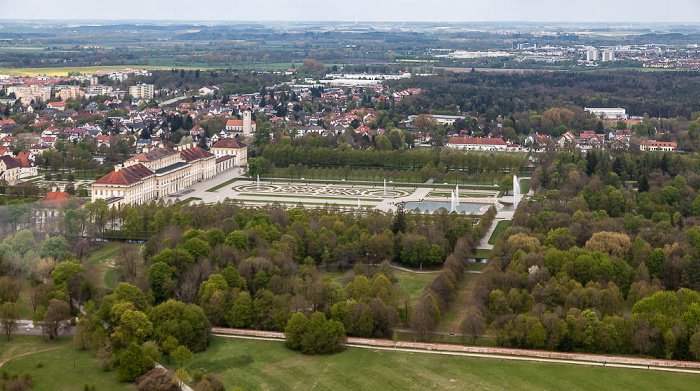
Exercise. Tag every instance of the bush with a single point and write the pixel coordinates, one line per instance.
(89, 387)
(316, 335)
(157, 379)
(39, 364)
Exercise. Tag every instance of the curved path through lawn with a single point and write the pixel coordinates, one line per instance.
(3, 361)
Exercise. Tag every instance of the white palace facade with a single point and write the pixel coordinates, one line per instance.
(155, 174)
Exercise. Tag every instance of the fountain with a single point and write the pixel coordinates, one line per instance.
(516, 192)
(359, 204)
(453, 202)
(384, 187)
(457, 195)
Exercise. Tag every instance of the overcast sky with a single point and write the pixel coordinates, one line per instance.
(363, 10)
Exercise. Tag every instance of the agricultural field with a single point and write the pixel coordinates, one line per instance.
(268, 365)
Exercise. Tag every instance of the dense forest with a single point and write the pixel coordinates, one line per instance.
(606, 258)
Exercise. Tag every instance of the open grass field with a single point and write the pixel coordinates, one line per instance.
(414, 283)
(26, 343)
(500, 227)
(58, 374)
(267, 365)
(102, 259)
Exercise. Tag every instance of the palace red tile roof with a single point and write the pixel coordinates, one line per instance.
(192, 154)
(57, 198)
(477, 140)
(126, 176)
(228, 143)
(152, 155)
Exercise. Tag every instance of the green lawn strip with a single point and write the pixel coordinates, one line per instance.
(24, 304)
(380, 183)
(268, 365)
(21, 344)
(482, 254)
(300, 202)
(265, 195)
(524, 185)
(413, 283)
(220, 185)
(110, 277)
(467, 195)
(106, 252)
(449, 319)
(57, 372)
(500, 227)
(476, 266)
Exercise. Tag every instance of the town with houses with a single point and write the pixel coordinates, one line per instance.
(157, 167)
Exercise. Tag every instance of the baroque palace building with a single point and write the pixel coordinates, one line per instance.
(155, 174)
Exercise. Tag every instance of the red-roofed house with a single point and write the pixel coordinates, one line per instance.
(9, 169)
(60, 106)
(229, 153)
(651, 145)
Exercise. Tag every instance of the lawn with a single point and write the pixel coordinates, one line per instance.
(106, 252)
(501, 226)
(482, 254)
(58, 374)
(414, 283)
(219, 186)
(524, 185)
(266, 195)
(26, 343)
(99, 258)
(267, 365)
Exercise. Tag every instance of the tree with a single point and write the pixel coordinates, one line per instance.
(182, 355)
(9, 317)
(55, 318)
(473, 325)
(53, 247)
(160, 280)
(133, 363)
(129, 259)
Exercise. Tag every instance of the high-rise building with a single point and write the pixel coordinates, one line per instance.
(592, 54)
(141, 91)
(608, 55)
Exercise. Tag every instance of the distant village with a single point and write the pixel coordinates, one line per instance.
(157, 165)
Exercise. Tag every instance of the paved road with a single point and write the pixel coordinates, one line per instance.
(26, 327)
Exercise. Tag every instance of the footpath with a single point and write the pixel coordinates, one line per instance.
(486, 352)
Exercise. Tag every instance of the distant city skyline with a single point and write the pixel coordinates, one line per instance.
(623, 11)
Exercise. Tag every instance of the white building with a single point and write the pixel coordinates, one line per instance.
(608, 55)
(245, 125)
(141, 91)
(478, 143)
(616, 113)
(591, 54)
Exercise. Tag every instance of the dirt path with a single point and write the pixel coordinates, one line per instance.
(3, 361)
